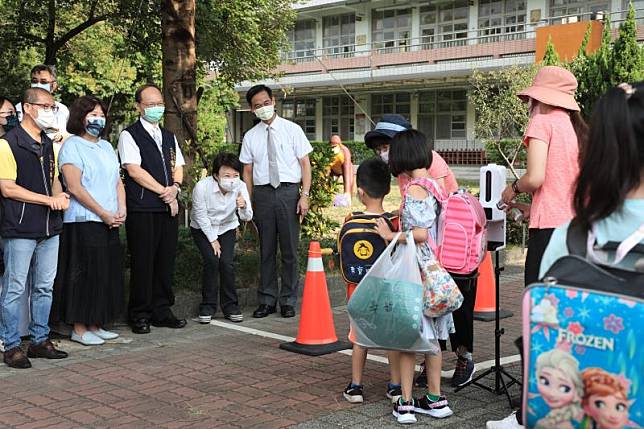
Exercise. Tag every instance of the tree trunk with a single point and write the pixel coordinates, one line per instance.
(179, 73)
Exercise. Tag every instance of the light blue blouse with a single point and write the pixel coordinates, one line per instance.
(100, 174)
(616, 227)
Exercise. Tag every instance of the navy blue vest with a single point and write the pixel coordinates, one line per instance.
(35, 172)
(138, 198)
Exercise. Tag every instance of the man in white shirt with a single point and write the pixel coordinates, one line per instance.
(153, 166)
(44, 76)
(276, 163)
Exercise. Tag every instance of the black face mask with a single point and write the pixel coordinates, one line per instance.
(12, 122)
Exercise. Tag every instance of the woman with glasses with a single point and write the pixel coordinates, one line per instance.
(88, 291)
(8, 117)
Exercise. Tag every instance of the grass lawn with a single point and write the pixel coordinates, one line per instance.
(391, 203)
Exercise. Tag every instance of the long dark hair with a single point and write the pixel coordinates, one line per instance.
(612, 159)
(580, 127)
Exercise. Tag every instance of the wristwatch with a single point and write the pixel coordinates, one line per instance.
(515, 187)
(305, 193)
(178, 186)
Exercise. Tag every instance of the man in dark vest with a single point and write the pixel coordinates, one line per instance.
(153, 167)
(31, 223)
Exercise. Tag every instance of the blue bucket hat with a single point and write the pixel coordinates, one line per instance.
(387, 127)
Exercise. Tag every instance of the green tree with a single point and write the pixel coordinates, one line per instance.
(50, 25)
(550, 57)
(501, 116)
(242, 39)
(627, 62)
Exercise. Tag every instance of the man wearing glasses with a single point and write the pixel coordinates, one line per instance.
(44, 76)
(277, 173)
(32, 205)
(153, 167)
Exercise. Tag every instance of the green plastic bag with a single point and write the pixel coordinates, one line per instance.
(386, 309)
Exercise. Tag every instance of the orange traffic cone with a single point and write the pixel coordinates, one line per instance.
(485, 304)
(316, 333)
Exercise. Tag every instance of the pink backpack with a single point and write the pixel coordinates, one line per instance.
(461, 228)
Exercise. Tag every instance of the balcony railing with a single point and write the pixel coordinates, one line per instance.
(505, 33)
(411, 44)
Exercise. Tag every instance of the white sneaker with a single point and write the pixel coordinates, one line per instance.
(404, 412)
(204, 319)
(510, 422)
(1, 346)
(87, 339)
(106, 335)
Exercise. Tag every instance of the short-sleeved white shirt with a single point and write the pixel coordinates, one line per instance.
(130, 153)
(291, 143)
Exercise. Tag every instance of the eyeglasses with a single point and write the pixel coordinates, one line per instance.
(46, 107)
(266, 103)
(161, 104)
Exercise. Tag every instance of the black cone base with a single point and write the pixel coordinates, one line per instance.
(315, 350)
(488, 316)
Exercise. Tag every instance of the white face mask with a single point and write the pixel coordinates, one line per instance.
(45, 86)
(265, 113)
(229, 184)
(385, 156)
(45, 120)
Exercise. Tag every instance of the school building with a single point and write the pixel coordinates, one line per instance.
(413, 58)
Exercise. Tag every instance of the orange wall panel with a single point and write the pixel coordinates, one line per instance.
(567, 39)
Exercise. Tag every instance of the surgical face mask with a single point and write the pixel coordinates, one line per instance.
(265, 113)
(228, 184)
(45, 86)
(95, 125)
(153, 114)
(385, 155)
(45, 120)
(12, 122)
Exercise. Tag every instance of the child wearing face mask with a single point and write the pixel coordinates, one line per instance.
(218, 202)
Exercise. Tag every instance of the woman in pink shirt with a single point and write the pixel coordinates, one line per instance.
(553, 136)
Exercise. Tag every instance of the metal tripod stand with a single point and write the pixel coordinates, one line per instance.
(500, 385)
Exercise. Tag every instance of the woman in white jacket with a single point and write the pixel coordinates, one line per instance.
(218, 202)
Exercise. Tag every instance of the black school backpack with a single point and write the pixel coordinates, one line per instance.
(359, 245)
(576, 270)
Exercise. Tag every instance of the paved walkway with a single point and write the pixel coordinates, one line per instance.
(217, 376)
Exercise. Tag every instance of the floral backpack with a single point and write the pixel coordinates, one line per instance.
(441, 294)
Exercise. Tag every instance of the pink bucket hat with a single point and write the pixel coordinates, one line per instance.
(554, 86)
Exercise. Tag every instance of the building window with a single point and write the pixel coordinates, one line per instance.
(391, 29)
(339, 34)
(639, 10)
(302, 112)
(576, 9)
(442, 114)
(444, 24)
(337, 117)
(302, 38)
(502, 19)
(382, 104)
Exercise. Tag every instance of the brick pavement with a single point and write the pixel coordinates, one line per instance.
(214, 377)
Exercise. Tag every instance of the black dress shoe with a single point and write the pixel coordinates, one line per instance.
(140, 326)
(16, 358)
(287, 310)
(45, 350)
(263, 310)
(170, 322)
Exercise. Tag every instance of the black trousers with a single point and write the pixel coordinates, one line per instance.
(218, 273)
(276, 218)
(464, 316)
(152, 242)
(538, 240)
